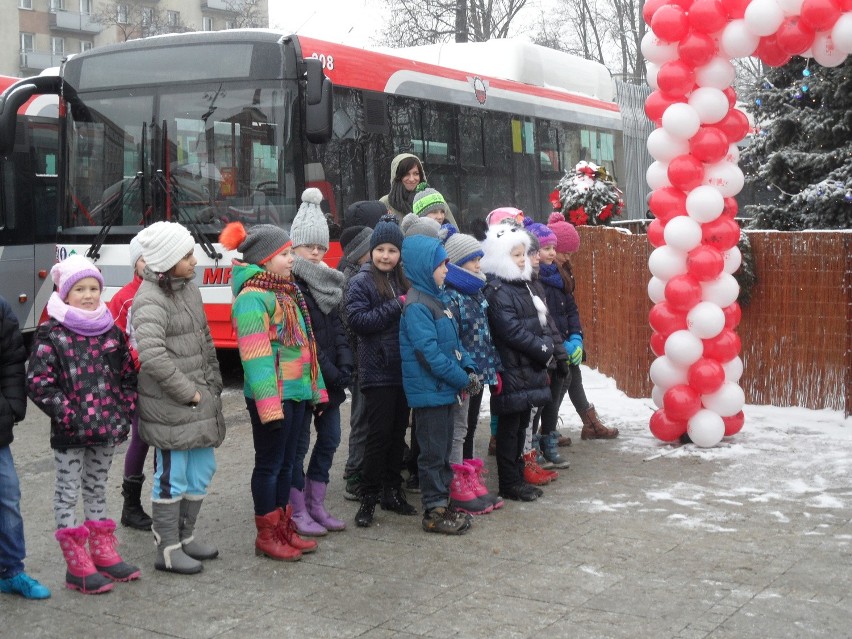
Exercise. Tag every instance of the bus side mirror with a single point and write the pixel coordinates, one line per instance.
(319, 108)
(315, 78)
(12, 100)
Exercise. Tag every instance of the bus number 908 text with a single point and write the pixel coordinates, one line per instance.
(327, 60)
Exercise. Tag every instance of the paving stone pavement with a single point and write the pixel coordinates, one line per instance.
(597, 556)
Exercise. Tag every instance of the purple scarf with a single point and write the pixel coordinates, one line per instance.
(87, 323)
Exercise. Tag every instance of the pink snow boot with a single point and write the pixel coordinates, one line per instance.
(462, 496)
(478, 484)
(80, 573)
(105, 557)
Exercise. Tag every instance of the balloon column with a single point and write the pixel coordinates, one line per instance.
(694, 180)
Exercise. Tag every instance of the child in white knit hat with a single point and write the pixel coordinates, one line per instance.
(82, 376)
(180, 408)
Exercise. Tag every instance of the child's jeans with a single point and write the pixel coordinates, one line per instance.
(435, 429)
(12, 549)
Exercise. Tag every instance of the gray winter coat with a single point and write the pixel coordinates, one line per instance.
(177, 358)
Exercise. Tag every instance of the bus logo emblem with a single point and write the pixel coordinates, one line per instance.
(480, 89)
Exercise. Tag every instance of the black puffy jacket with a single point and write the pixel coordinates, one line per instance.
(13, 377)
(333, 353)
(525, 347)
(375, 322)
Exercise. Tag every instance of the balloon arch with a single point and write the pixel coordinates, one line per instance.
(694, 180)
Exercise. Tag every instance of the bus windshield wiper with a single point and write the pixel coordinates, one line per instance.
(94, 251)
(173, 190)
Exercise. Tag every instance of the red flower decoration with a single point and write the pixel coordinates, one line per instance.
(554, 200)
(587, 170)
(578, 216)
(606, 213)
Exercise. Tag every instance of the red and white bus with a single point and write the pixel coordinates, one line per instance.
(205, 128)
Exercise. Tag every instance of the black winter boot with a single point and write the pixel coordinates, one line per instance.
(364, 517)
(393, 499)
(132, 514)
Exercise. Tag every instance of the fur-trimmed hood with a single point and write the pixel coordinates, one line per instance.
(497, 247)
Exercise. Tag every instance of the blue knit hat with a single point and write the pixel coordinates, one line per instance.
(387, 231)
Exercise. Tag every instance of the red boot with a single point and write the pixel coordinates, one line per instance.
(105, 557)
(287, 530)
(535, 474)
(81, 573)
(269, 542)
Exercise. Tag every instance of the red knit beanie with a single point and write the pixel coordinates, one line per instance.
(567, 238)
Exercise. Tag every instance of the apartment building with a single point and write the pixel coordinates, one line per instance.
(37, 34)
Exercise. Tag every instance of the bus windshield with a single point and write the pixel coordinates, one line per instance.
(207, 153)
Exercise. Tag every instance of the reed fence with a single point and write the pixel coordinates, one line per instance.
(796, 335)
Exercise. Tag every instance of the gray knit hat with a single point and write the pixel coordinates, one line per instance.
(258, 244)
(309, 225)
(355, 242)
(428, 200)
(413, 225)
(387, 231)
(460, 248)
(164, 244)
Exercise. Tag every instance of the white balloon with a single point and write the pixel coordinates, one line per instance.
(665, 262)
(663, 147)
(705, 428)
(657, 290)
(683, 348)
(656, 50)
(657, 396)
(790, 7)
(681, 120)
(733, 155)
(657, 175)
(728, 178)
(651, 72)
(825, 52)
(718, 73)
(682, 232)
(665, 374)
(704, 203)
(841, 33)
(733, 260)
(733, 370)
(723, 291)
(737, 40)
(710, 104)
(763, 17)
(705, 320)
(727, 401)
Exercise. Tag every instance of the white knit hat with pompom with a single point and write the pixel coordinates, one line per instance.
(309, 225)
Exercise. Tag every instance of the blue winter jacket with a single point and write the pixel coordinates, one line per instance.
(375, 322)
(434, 362)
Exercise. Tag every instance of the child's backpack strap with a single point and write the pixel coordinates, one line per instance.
(434, 305)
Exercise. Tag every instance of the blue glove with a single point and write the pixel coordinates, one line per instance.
(574, 346)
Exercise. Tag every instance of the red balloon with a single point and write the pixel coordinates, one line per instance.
(724, 347)
(667, 202)
(734, 125)
(705, 263)
(732, 96)
(686, 172)
(846, 5)
(722, 233)
(793, 36)
(655, 233)
(681, 402)
(696, 49)
(665, 428)
(731, 208)
(683, 292)
(658, 344)
(675, 78)
(669, 23)
(707, 16)
(734, 423)
(819, 15)
(770, 52)
(735, 9)
(665, 319)
(650, 8)
(733, 315)
(656, 104)
(706, 375)
(708, 145)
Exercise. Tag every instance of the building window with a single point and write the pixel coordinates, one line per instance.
(229, 24)
(86, 45)
(57, 5)
(121, 13)
(57, 46)
(206, 24)
(147, 16)
(27, 42)
(25, 4)
(85, 6)
(173, 18)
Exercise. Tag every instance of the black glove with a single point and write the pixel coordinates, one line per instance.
(563, 367)
(344, 379)
(319, 409)
(551, 363)
(278, 424)
(474, 386)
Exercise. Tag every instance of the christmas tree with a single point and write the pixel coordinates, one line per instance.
(587, 195)
(800, 157)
